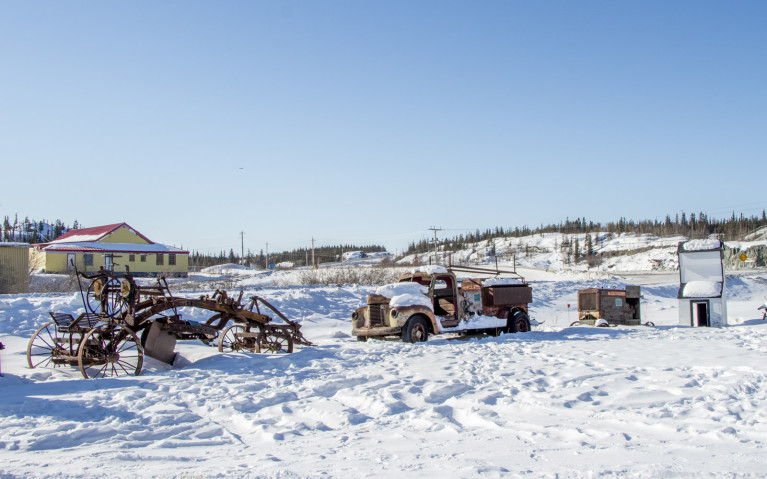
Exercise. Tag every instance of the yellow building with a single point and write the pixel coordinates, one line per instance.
(14, 268)
(112, 247)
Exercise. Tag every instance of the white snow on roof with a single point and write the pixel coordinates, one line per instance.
(430, 269)
(15, 245)
(702, 289)
(78, 239)
(501, 281)
(701, 245)
(114, 247)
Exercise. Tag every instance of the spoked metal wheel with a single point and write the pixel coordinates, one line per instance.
(109, 351)
(236, 338)
(276, 341)
(105, 297)
(44, 347)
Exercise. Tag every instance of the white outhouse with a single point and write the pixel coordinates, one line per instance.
(702, 286)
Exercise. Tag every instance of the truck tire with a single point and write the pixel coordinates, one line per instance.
(415, 330)
(518, 322)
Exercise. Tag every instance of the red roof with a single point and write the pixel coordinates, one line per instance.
(100, 231)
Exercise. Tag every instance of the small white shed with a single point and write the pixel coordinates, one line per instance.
(702, 286)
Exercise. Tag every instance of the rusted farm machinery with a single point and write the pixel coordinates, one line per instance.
(122, 320)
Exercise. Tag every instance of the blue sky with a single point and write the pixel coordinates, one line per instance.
(369, 122)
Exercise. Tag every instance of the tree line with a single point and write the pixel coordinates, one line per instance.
(692, 226)
(296, 257)
(31, 231)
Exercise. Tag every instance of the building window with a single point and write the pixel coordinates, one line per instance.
(143, 258)
(172, 259)
(88, 259)
(132, 258)
(159, 261)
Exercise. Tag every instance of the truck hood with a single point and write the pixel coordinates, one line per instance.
(401, 294)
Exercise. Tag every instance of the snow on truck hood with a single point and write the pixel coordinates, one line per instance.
(395, 289)
(405, 294)
(411, 300)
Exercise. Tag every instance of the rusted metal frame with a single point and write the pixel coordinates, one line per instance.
(476, 269)
(189, 328)
(293, 326)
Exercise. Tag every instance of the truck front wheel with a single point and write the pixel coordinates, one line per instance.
(518, 322)
(415, 330)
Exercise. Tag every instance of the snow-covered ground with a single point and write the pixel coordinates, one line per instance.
(560, 401)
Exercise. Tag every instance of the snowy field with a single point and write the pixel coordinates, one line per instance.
(560, 401)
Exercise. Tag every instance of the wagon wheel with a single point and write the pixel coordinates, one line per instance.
(43, 347)
(233, 340)
(109, 351)
(275, 341)
(105, 296)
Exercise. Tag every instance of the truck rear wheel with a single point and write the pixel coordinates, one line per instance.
(518, 322)
(415, 330)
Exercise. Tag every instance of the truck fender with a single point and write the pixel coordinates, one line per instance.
(408, 312)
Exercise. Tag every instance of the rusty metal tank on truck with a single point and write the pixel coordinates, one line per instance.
(430, 300)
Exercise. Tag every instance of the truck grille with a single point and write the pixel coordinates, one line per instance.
(377, 312)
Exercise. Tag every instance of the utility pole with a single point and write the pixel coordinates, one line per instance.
(242, 247)
(266, 262)
(435, 241)
(313, 264)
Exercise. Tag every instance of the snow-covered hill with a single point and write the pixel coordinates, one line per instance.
(612, 252)
(560, 401)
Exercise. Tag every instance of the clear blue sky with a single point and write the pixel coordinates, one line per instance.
(369, 122)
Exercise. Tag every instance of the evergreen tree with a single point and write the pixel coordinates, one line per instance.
(576, 253)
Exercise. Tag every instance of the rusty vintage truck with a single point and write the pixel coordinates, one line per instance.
(429, 300)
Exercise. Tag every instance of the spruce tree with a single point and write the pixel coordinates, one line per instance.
(576, 253)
